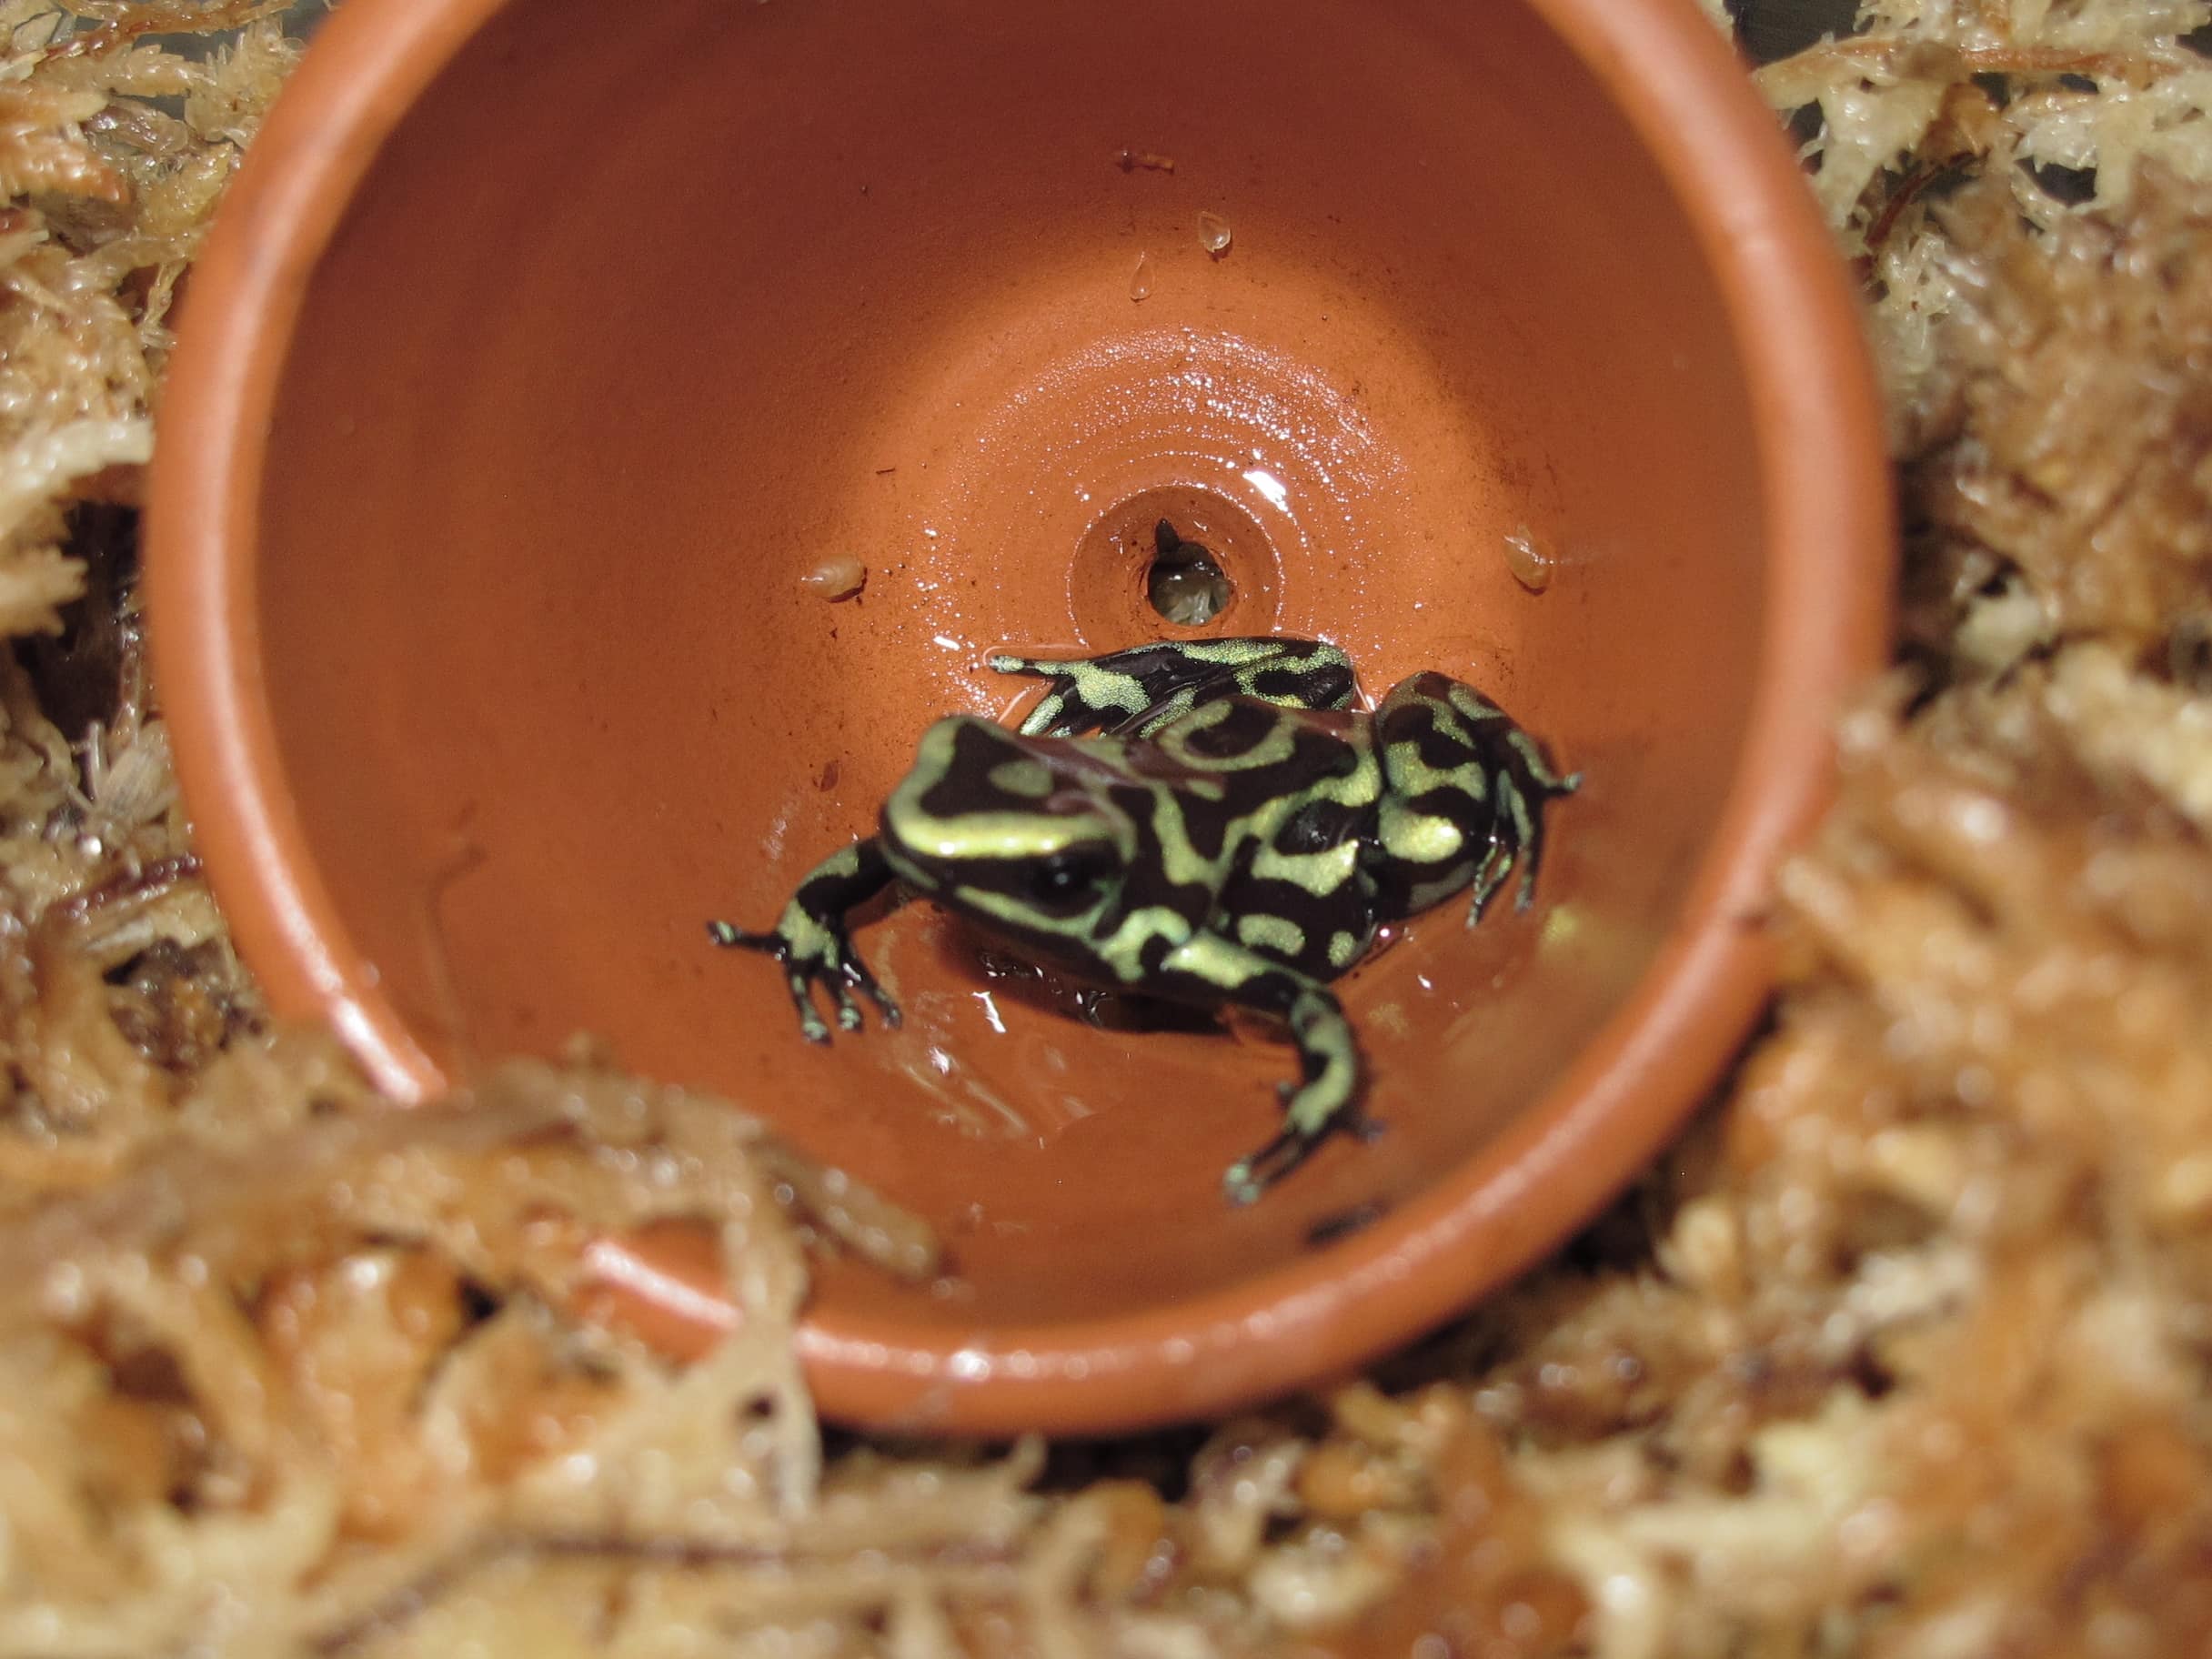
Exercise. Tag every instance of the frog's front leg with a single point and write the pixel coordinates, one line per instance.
(809, 939)
(1329, 1057)
(1140, 690)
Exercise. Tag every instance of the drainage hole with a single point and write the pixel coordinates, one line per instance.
(1185, 585)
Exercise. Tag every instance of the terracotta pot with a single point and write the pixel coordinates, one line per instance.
(538, 360)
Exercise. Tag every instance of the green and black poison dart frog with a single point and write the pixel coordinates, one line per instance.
(1209, 821)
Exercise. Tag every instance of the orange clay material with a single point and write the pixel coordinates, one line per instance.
(492, 670)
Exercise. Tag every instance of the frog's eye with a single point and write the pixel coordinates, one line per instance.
(1068, 874)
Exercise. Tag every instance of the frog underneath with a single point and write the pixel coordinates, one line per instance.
(1208, 822)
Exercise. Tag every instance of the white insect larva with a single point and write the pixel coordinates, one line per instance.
(1531, 566)
(839, 577)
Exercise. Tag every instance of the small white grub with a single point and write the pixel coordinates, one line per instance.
(1140, 279)
(1531, 564)
(838, 576)
(1213, 234)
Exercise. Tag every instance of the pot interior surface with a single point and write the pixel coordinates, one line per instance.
(634, 326)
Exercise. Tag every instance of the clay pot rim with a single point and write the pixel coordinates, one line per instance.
(1829, 531)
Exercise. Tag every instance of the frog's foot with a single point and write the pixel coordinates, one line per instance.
(1321, 1102)
(1516, 833)
(808, 938)
(1138, 690)
(1249, 1176)
(1525, 783)
(1498, 860)
(813, 950)
(1081, 694)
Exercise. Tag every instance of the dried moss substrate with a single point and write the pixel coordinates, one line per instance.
(1903, 1352)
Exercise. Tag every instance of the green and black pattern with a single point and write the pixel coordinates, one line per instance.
(1211, 822)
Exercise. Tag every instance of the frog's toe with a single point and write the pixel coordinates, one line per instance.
(853, 977)
(810, 1025)
(1526, 896)
(858, 978)
(1237, 1185)
(737, 938)
(1489, 876)
(1244, 1181)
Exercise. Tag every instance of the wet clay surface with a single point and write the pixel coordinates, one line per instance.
(546, 688)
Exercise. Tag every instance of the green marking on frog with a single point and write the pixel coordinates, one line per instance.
(1276, 935)
(1415, 775)
(1030, 779)
(1418, 838)
(1207, 821)
(1322, 874)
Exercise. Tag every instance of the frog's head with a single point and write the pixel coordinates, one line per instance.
(1017, 831)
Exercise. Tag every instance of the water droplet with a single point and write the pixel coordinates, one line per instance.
(1213, 234)
(1140, 279)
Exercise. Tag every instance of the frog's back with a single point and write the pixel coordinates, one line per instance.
(1299, 792)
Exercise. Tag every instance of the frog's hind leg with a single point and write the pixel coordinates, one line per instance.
(1465, 792)
(1322, 1100)
(1135, 692)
